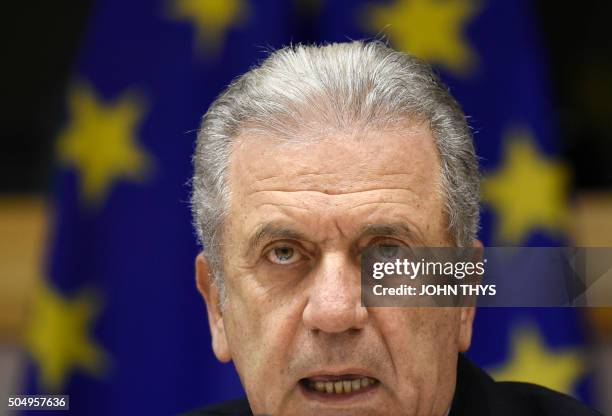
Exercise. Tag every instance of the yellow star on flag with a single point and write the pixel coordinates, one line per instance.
(527, 192)
(58, 337)
(100, 142)
(212, 19)
(430, 29)
(532, 361)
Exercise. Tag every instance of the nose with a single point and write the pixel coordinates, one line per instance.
(334, 302)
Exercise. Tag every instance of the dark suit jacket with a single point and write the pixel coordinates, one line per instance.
(476, 394)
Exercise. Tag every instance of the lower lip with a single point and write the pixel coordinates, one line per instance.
(364, 393)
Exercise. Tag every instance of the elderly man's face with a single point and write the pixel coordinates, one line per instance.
(300, 214)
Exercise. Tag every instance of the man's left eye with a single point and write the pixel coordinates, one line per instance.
(283, 255)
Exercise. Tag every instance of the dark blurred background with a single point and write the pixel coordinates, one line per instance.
(41, 45)
(569, 43)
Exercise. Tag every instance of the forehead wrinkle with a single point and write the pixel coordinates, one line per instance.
(263, 204)
(336, 183)
(331, 193)
(331, 208)
(300, 174)
(334, 204)
(379, 203)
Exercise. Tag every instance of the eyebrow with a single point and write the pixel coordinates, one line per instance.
(270, 231)
(394, 229)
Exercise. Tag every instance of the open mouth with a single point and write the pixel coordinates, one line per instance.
(344, 385)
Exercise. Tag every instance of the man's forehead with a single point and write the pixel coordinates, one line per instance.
(335, 164)
(330, 189)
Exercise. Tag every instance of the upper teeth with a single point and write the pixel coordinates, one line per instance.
(341, 386)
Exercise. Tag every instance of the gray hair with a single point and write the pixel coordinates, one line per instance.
(334, 86)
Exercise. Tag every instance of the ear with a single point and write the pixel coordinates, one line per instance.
(468, 312)
(465, 329)
(210, 292)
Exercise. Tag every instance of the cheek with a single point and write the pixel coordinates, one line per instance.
(423, 346)
(261, 335)
(245, 326)
(420, 328)
(422, 343)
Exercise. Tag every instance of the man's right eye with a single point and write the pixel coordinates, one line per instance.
(284, 255)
